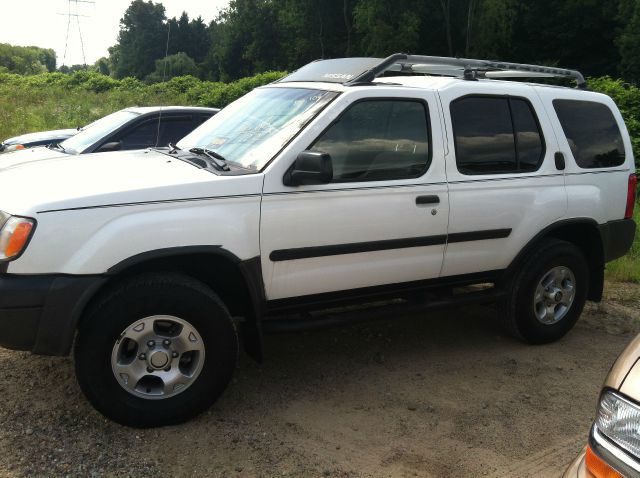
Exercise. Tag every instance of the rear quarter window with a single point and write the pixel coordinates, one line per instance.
(592, 132)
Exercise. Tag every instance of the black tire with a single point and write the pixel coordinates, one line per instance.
(517, 309)
(146, 296)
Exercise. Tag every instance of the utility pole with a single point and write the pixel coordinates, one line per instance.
(72, 12)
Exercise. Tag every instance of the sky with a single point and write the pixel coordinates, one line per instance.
(40, 23)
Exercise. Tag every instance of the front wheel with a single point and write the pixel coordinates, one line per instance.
(157, 350)
(547, 294)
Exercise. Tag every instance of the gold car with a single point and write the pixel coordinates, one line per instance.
(613, 449)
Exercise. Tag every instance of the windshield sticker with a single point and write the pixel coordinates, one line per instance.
(338, 76)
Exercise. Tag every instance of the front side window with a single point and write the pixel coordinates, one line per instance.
(252, 130)
(140, 137)
(496, 135)
(173, 129)
(592, 132)
(378, 140)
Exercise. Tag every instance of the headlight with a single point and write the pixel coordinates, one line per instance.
(619, 420)
(15, 233)
(13, 147)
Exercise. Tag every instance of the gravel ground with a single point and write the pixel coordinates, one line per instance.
(446, 394)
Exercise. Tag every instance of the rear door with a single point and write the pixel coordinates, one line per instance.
(504, 186)
(382, 220)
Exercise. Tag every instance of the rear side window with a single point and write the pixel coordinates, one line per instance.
(378, 140)
(496, 135)
(592, 133)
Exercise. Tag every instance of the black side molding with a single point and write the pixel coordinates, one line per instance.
(339, 249)
(384, 245)
(478, 235)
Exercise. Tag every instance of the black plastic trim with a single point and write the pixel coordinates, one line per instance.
(617, 238)
(170, 252)
(383, 245)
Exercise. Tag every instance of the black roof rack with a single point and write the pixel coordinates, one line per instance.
(357, 71)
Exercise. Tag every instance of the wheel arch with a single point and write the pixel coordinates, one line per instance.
(237, 282)
(584, 233)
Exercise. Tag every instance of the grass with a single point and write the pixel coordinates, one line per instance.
(627, 268)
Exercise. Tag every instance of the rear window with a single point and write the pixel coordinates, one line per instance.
(496, 135)
(592, 132)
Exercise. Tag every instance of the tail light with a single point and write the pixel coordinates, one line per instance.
(631, 196)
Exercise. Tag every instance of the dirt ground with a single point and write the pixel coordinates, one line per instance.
(446, 394)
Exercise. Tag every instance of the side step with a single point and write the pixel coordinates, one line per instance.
(376, 312)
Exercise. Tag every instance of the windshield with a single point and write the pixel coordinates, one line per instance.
(95, 131)
(252, 130)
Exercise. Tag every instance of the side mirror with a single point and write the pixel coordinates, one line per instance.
(310, 167)
(106, 147)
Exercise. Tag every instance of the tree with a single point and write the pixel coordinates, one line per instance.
(629, 40)
(492, 29)
(26, 60)
(179, 64)
(388, 28)
(102, 66)
(141, 40)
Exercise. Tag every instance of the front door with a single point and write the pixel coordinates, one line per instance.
(383, 218)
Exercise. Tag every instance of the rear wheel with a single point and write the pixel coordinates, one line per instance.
(547, 294)
(157, 350)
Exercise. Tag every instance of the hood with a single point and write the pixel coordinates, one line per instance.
(58, 134)
(626, 362)
(39, 153)
(98, 180)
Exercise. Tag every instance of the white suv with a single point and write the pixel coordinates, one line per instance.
(338, 185)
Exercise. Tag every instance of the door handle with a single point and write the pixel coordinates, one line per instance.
(559, 159)
(427, 200)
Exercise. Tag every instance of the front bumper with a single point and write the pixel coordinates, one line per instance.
(40, 312)
(577, 468)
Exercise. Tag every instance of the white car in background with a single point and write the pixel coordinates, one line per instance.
(127, 129)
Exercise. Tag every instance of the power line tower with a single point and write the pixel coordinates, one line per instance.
(72, 13)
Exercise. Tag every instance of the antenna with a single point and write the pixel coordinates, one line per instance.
(73, 13)
(164, 75)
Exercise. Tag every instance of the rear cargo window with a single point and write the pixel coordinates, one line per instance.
(592, 133)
